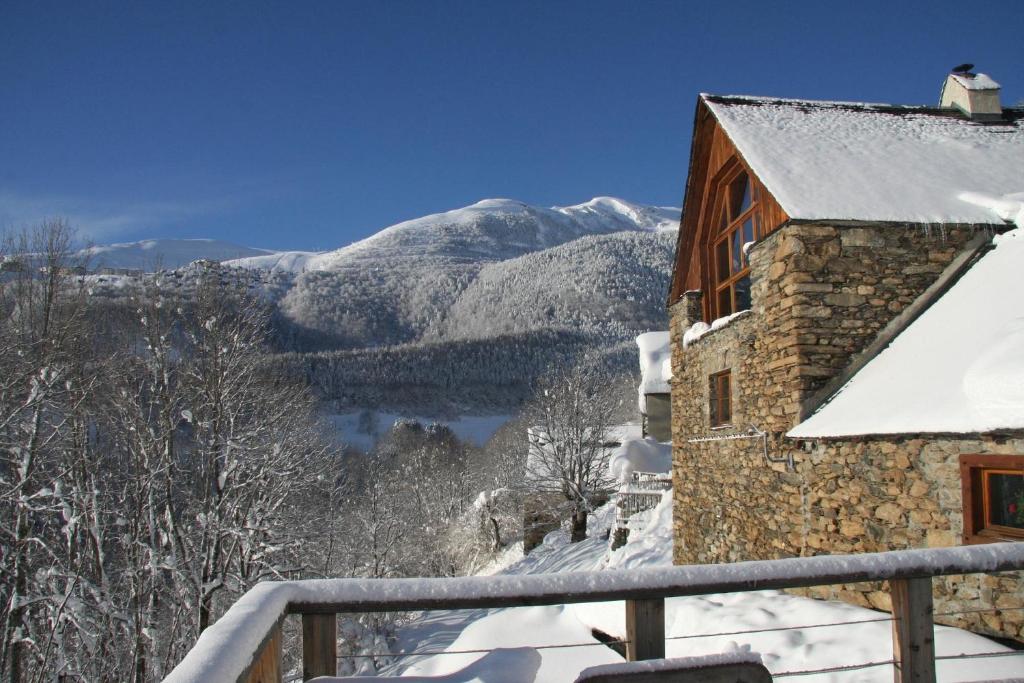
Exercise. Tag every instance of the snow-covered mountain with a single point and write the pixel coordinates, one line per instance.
(496, 267)
(152, 255)
(490, 230)
(392, 287)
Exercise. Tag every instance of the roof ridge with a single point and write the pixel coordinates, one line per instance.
(879, 107)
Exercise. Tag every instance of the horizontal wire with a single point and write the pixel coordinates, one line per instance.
(978, 611)
(851, 667)
(778, 628)
(981, 655)
(479, 651)
(617, 642)
(833, 669)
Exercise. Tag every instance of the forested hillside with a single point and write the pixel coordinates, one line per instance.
(453, 377)
(613, 286)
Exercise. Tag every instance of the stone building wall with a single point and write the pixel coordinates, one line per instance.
(820, 295)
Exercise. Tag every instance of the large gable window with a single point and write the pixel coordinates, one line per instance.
(736, 219)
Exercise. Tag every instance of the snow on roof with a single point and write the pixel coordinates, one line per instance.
(639, 455)
(958, 368)
(655, 365)
(975, 81)
(873, 162)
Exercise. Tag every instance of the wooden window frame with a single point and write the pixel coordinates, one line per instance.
(719, 283)
(719, 397)
(974, 471)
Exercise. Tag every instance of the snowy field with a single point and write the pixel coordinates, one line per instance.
(799, 648)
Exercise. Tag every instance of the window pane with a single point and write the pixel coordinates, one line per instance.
(739, 196)
(723, 260)
(723, 222)
(742, 294)
(1006, 499)
(725, 302)
(748, 233)
(725, 412)
(714, 400)
(737, 259)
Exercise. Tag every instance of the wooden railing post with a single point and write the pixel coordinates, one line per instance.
(913, 630)
(319, 645)
(645, 629)
(266, 668)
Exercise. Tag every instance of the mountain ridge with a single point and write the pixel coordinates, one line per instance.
(489, 230)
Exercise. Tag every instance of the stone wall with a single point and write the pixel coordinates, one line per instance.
(820, 295)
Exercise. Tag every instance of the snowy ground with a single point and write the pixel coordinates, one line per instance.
(795, 649)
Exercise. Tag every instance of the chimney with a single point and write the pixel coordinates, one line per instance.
(975, 95)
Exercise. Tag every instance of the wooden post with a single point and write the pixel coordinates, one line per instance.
(266, 668)
(913, 630)
(645, 629)
(319, 645)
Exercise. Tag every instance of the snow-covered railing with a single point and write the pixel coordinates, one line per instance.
(245, 644)
(642, 493)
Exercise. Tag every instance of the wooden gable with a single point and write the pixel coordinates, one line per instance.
(713, 160)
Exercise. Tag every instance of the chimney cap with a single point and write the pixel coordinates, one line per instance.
(975, 81)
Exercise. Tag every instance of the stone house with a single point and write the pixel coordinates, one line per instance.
(846, 332)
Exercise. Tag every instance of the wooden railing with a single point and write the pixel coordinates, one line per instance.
(643, 492)
(245, 644)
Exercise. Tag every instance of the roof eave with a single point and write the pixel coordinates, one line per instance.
(687, 193)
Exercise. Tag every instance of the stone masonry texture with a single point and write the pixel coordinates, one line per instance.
(821, 294)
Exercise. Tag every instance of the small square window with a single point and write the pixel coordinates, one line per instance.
(720, 385)
(993, 497)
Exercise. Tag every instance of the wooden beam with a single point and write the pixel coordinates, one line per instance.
(645, 629)
(319, 645)
(692, 671)
(267, 666)
(913, 630)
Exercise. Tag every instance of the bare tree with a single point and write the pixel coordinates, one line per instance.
(250, 447)
(568, 452)
(41, 335)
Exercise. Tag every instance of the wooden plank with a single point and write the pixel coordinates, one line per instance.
(645, 629)
(645, 584)
(267, 666)
(913, 630)
(319, 645)
(694, 671)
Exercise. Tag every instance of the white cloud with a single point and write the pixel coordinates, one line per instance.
(98, 221)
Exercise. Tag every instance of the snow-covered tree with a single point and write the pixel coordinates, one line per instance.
(569, 419)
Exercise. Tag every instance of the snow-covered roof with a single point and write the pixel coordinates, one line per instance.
(655, 365)
(639, 455)
(958, 368)
(975, 81)
(874, 162)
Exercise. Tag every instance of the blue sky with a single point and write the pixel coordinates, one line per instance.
(309, 125)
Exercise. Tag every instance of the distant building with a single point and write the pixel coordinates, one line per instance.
(11, 265)
(846, 335)
(655, 391)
